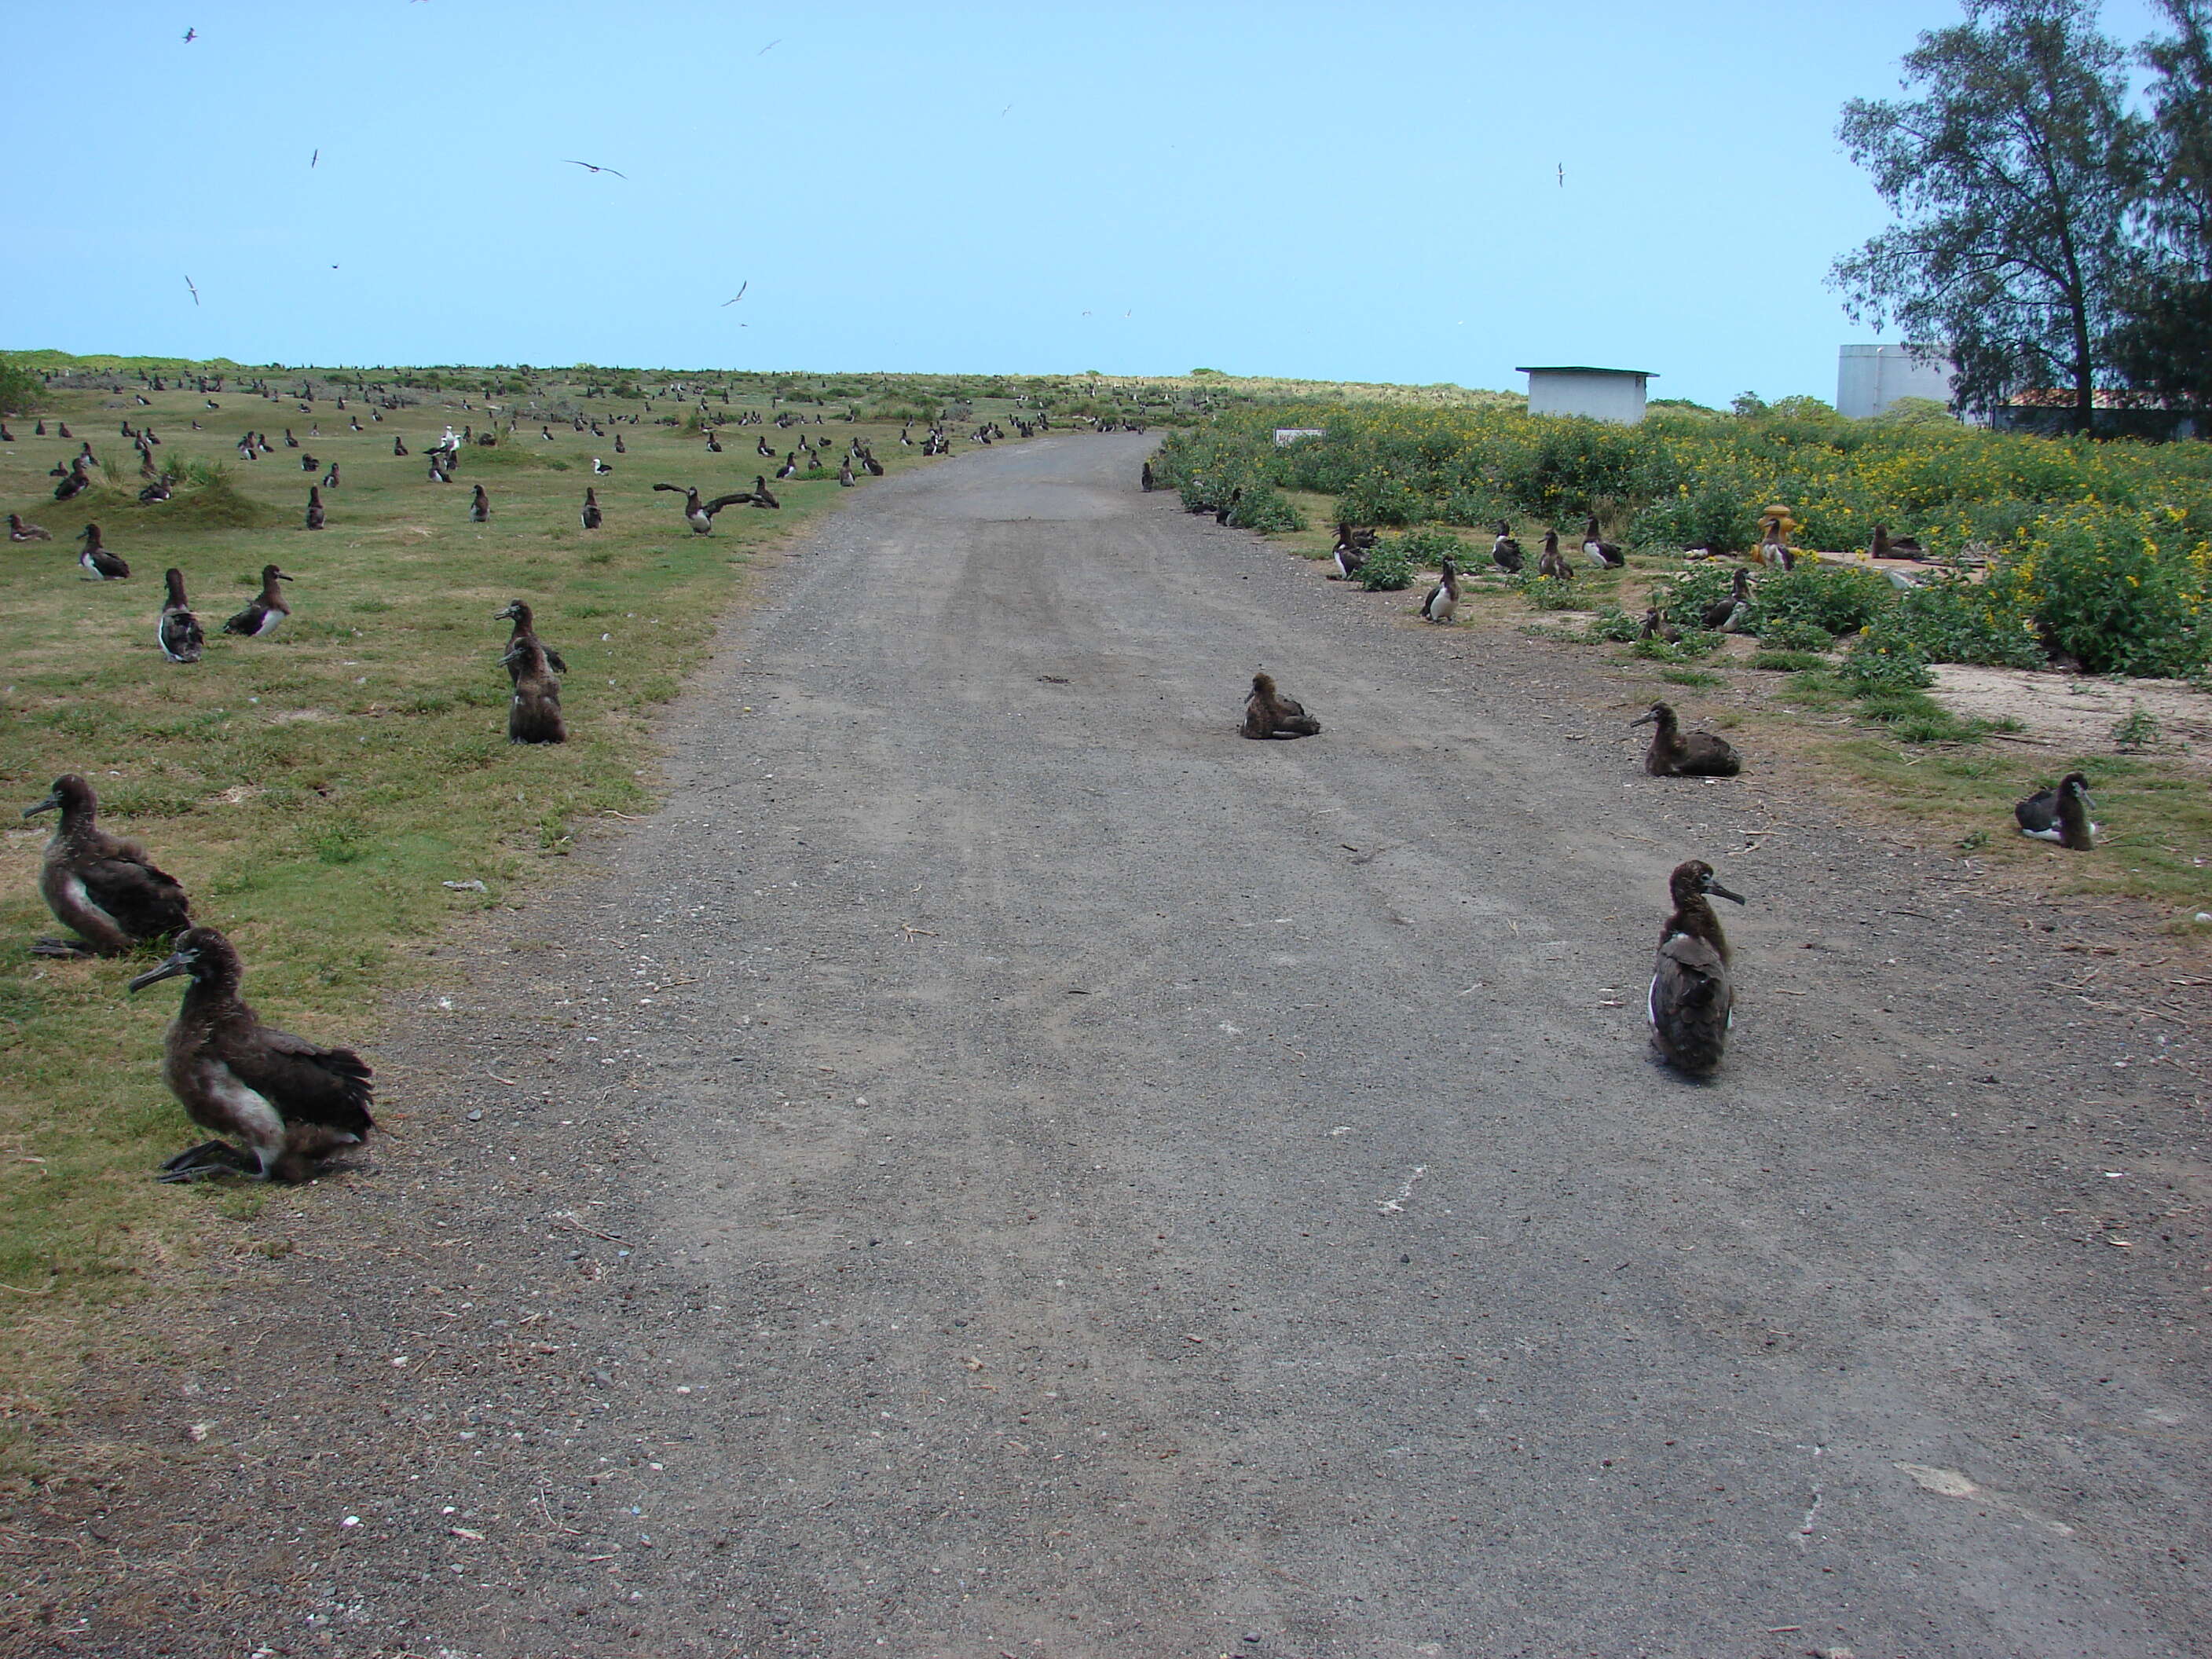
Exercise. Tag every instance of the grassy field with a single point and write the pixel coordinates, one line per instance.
(318, 791)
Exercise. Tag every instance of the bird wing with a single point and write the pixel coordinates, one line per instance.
(146, 901)
(1688, 974)
(674, 489)
(554, 657)
(247, 621)
(2038, 812)
(710, 508)
(329, 1086)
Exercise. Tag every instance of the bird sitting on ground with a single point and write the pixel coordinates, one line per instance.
(1774, 549)
(599, 468)
(314, 507)
(700, 515)
(591, 513)
(1505, 552)
(1692, 1001)
(762, 496)
(2061, 815)
(1673, 754)
(1727, 614)
(156, 491)
(1268, 714)
(1227, 510)
(1442, 602)
(104, 889)
(1551, 562)
(265, 611)
(1886, 546)
(75, 484)
(291, 1102)
(1349, 557)
(1600, 551)
(100, 564)
(178, 631)
(21, 529)
(789, 468)
(331, 477)
(1656, 627)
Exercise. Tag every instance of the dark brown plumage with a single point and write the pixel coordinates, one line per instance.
(1674, 755)
(1692, 1001)
(533, 714)
(105, 888)
(1269, 713)
(292, 1103)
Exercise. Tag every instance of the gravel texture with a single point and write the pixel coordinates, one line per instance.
(1002, 1166)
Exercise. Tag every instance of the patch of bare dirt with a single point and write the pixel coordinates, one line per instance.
(2071, 712)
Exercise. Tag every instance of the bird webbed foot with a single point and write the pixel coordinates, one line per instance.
(212, 1157)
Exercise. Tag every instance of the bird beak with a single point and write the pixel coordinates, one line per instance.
(1719, 892)
(282, 577)
(50, 803)
(1644, 718)
(181, 963)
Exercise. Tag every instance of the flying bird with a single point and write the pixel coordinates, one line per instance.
(588, 167)
(739, 295)
(316, 157)
(769, 47)
(196, 292)
(191, 35)
(1563, 175)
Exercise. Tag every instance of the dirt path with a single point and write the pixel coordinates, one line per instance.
(1005, 1167)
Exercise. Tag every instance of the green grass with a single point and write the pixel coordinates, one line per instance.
(1694, 676)
(1787, 662)
(314, 791)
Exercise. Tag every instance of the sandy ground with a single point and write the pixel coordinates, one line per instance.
(1000, 1166)
(2077, 713)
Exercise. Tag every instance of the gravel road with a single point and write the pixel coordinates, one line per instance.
(1002, 1165)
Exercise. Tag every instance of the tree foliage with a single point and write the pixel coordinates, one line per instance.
(2013, 172)
(2164, 343)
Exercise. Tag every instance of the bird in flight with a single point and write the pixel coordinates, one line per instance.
(769, 47)
(191, 35)
(316, 157)
(1563, 175)
(589, 167)
(739, 295)
(1005, 111)
(196, 292)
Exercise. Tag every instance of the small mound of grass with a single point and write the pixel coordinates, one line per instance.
(1691, 677)
(1787, 662)
(207, 500)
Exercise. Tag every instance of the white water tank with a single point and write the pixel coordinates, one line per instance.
(1871, 378)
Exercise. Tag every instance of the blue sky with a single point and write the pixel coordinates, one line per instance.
(1362, 192)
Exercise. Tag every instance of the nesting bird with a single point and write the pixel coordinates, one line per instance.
(1551, 562)
(1692, 1001)
(21, 529)
(265, 611)
(106, 889)
(291, 1102)
(314, 507)
(101, 565)
(1442, 602)
(533, 715)
(1600, 551)
(1269, 713)
(1729, 614)
(178, 632)
(1674, 755)
(1505, 552)
(2060, 814)
(591, 513)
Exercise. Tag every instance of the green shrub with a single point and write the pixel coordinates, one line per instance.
(1548, 593)
(1794, 635)
(20, 389)
(1787, 662)
(1425, 548)
(1884, 661)
(2122, 591)
(1378, 498)
(1835, 599)
(1388, 568)
(1616, 624)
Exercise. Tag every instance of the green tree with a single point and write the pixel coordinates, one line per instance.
(2164, 342)
(20, 389)
(2011, 175)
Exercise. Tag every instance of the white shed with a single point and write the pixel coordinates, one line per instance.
(1604, 394)
(1871, 378)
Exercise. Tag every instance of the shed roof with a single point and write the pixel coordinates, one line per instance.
(1581, 368)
